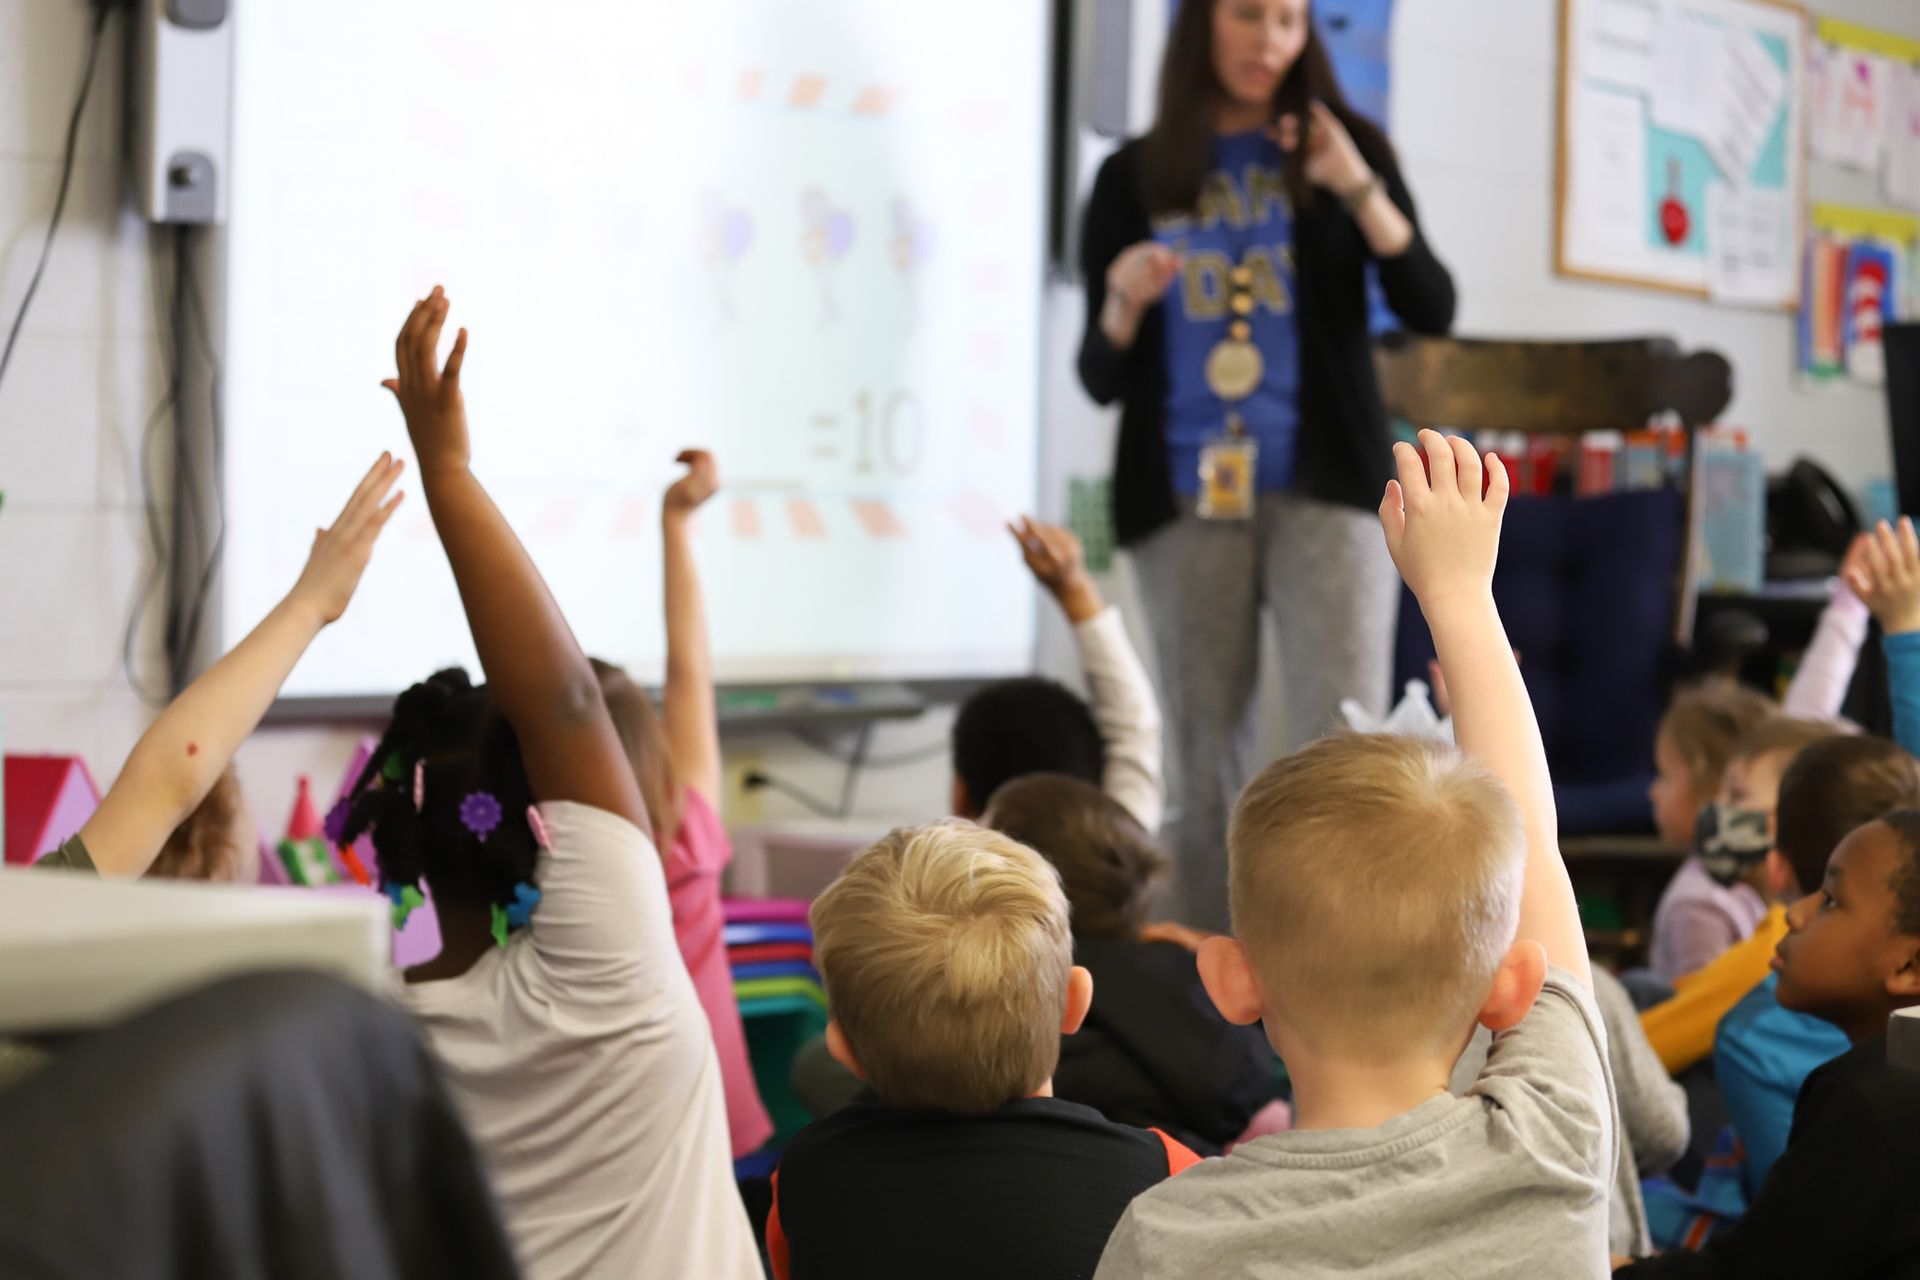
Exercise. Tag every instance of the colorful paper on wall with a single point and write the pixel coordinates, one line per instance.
(1901, 177)
(1858, 265)
(1847, 106)
(1871, 284)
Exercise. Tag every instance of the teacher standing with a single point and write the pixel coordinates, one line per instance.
(1225, 256)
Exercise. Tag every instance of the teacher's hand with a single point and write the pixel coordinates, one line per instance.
(1333, 160)
(1142, 274)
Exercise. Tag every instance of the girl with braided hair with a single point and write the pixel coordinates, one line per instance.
(559, 1007)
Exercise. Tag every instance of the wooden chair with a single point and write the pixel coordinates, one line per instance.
(1564, 389)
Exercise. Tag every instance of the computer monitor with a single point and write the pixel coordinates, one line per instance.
(1903, 410)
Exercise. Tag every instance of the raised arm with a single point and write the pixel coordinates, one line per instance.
(1445, 537)
(180, 755)
(1119, 691)
(1886, 575)
(692, 725)
(535, 671)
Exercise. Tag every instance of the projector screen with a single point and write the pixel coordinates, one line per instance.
(806, 234)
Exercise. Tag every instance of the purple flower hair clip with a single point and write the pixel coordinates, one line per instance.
(334, 825)
(480, 814)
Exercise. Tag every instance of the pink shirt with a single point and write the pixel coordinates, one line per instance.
(699, 855)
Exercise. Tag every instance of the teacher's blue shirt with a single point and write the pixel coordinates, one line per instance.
(1243, 219)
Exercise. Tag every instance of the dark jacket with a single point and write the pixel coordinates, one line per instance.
(1154, 1052)
(275, 1125)
(1843, 1201)
(1344, 451)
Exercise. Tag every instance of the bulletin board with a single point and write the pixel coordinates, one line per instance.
(1681, 165)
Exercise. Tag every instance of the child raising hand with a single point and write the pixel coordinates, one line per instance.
(559, 1007)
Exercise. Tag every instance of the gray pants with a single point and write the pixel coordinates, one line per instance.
(1324, 574)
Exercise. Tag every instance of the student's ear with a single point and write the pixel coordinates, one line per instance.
(961, 802)
(1516, 985)
(842, 1051)
(1781, 884)
(1903, 984)
(1228, 976)
(1079, 1000)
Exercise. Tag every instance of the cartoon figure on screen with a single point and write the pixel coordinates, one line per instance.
(827, 240)
(913, 244)
(726, 233)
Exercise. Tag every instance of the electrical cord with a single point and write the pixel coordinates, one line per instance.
(895, 760)
(187, 283)
(95, 38)
(167, 304)
(758, 781)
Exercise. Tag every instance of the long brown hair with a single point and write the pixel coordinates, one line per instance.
(1177, 152)
(645, 740)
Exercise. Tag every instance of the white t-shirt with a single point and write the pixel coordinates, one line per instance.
(581, 1060)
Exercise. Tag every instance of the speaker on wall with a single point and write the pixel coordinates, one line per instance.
(181, 66)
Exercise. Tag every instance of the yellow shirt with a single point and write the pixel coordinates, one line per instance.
(1681, 1030)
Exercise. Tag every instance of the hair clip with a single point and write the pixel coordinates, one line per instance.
(499, 926)
(355, 868)
(334, 825)
(539, 827)
(420, 784)
(405, 897)
(393, 768)
(520, 910)
(480, 814)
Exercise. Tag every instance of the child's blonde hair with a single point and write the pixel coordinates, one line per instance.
(1705, 725)
(209, 844)
(945, 953)
(1375, 882)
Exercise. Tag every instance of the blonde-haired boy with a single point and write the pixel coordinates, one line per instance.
(949, 970)
(1388, 897)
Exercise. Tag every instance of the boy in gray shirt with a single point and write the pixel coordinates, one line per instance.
(1389, 896)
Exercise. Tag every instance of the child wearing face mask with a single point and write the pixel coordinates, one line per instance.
(1725, 888)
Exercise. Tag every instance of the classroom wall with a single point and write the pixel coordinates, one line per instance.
(1475, 101)
(1474, 117)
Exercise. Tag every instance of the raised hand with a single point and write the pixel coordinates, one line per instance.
(1054, 555)
(685, 495)
(1333, 160)
(429, 395)
(1442, 530)
(341, 551)
(1885, 574)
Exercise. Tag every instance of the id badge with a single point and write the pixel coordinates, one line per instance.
(1226, 479)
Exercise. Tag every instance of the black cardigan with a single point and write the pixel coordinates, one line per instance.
(1344, 453)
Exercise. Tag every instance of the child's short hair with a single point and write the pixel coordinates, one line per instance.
(645, 740)
(1778, 735)
(1906, 877)
(1029, 725)
(1705, 723)
(1108, 864)
(204, 846)
(1375, 883)
(1833, 787)
(945, 952)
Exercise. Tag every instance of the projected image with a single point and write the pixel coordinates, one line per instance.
(805, 234)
